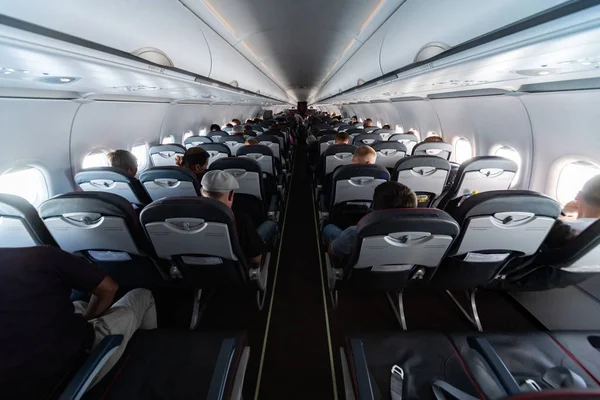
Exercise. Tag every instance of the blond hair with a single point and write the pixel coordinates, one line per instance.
(364, 155)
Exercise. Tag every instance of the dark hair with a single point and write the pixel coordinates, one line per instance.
(236, 121)
(386, 126)
(393, 195)
(229, 125)
(247, 128)
(215, 128)
(122, 159)
(195, 156)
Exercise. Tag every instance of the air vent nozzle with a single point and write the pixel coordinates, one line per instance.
(153, 55)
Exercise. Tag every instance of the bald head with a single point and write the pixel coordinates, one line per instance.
(364, 155)
(589, 199)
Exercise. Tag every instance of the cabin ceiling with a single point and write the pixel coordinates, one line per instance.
(284, 49)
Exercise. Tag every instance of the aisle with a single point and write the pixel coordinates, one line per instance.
(296, 363)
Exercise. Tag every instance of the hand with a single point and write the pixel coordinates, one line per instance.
(572, 208)
(179, 161)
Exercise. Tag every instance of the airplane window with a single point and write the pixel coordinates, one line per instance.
(168, 139)
(187, 135)
(572, 178)
(462, 150)
(511, 154)
(399, 129)
(28, 183)
(379, 124)
(97, 159)
(202, 132)
(140, 152)
(417, 134)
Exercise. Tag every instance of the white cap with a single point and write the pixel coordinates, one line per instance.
(219, 182)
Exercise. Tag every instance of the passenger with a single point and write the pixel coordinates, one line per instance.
(579, 214)
(252, 142)
(433, 139)
(238, 130)
(364, 155)
(123, 160)
(386, 126)
(229, 126)
(342, 138)
(353, 120)
(220, 186)
(248, 122)
(215, 128)
(368, 122)
(388, 195)
(247, 128)
(236, 122)
(44, 336)
(196, 160)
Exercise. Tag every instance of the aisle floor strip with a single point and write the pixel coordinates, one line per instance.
(328, 329)
(264, 346)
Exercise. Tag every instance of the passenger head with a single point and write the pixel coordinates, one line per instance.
(252, 142)
(364, 155)
(393, 195)
(248, 121)
(589, 199)
(237, 130)
(368, 122)
(386, 126)
(342, 138)
(354, 119)
(247, 128)
(433, 139)
(196, 160)
(215, 128)
(274, 126)
(236, 121)
(123, 160)
(220, 186)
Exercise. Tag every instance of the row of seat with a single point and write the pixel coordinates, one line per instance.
(197, 236)
(472, 366)
(492, 237)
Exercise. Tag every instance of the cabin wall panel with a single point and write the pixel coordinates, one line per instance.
(36, 132)
(183, 117)
(487, 122)
(564, 124)
(114, 125)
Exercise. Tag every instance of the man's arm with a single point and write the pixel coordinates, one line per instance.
(102, 297)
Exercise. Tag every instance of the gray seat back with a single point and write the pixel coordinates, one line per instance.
(216, 151)
(233, 142)
(407, 139)
(356, 183)
(115, 181)
(325, 141)
(20, 224)
(337, 155)
(162, 182)
(389, 153)
(262, 155)
(439, 149)
(423, 174)
(194, 141)
(94, 221)
(397, 240)
(271, 142)
(166, 154)
(246, 171)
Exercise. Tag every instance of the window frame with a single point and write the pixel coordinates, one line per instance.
(519, 175)
(560, 173)
(141, 165)
(455, 152)
(187, 134)
(171, 139)
(95, 151)
(45, 188)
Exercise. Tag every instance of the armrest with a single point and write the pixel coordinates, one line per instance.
(90, 368)
(220, 376)
(363, 388)
(273, 206)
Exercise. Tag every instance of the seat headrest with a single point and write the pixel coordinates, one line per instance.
(107, 204)
(179, 173)
(175, 148)
(15, 206)
(244, 163)
(367, 139)
(429, 148)
(12, 206)
(268, 138)
(380, 131)
(255, 149)
(235, 138)
(490, 203)
(477, 163)
(354, 170)
(355, 131)
(422, 161)
(401, 137)
(224, 132)
(108, 173)
(197, 139)
(408, 220)
(339, 148)
(187, 207)
(389, 145)
(327, 137)
(220, 147)
(326, 131)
